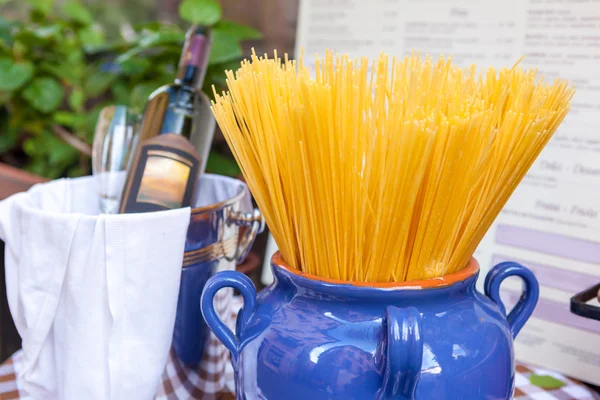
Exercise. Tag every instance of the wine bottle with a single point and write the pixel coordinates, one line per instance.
(175, 136)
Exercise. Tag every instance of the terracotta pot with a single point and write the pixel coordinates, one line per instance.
(13, 180)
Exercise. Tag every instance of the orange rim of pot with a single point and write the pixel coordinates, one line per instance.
(468, 271)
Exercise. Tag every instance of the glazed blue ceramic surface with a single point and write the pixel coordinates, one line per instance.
(306, 339)
(213, 235)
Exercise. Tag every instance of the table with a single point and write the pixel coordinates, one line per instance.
(214, 380)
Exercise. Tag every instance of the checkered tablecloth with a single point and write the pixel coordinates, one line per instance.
(214, 380)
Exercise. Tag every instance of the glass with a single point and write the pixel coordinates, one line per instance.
(115, 139)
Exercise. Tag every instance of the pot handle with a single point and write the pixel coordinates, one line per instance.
(404, 353)
(255, 224)
(526, 304)
(233, 342)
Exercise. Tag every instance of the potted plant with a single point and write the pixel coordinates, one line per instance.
(58, 69)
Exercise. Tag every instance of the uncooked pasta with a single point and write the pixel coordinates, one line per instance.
(384, 171)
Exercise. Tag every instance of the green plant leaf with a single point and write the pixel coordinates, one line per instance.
(215, 75)
(216, 72)
(68, 72)
(73, 53)
(75, 121)
(44, 94)
(225, 48)
(134, 66)
(8, 140)
(48, 32)
(237, 31)
(44, 6)
(26, 38)
(37, 17)
(30, 147)
(13, 74)
(120, 91)
(146, 28)
(149, 25)
(65, 118)
(34, 126)
(546, 381)
(112, 47)
(203, 12)
(87, 123)
(77, 12)
(129, 54)
(19, 50)
(5, 97)
(60, 153)
(219, 164)
(36, 165)
(76, 171)
(98, 82)
(140, 93)
(50, 156)
(91, 36)
(161, 37)
(77, 99)
(43, 36)
(6, 27)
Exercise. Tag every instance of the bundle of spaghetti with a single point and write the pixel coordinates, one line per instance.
(386, 171)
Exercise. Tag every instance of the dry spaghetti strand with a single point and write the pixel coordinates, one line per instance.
(389, 170)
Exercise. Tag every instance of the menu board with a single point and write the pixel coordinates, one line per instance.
(551, 224)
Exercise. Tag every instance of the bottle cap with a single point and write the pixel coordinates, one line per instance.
(194, 59)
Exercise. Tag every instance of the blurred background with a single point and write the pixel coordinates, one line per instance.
(62, 60)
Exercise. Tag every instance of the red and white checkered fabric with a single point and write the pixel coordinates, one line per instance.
(214, 376)
(571, 390)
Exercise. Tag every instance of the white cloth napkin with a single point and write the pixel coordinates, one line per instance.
(93, 296)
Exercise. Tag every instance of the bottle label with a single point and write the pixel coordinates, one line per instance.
(154, 188)
(162, 176)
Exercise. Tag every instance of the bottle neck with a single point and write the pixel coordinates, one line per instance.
(194, 61)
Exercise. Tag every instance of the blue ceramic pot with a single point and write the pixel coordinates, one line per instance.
(307, 338)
